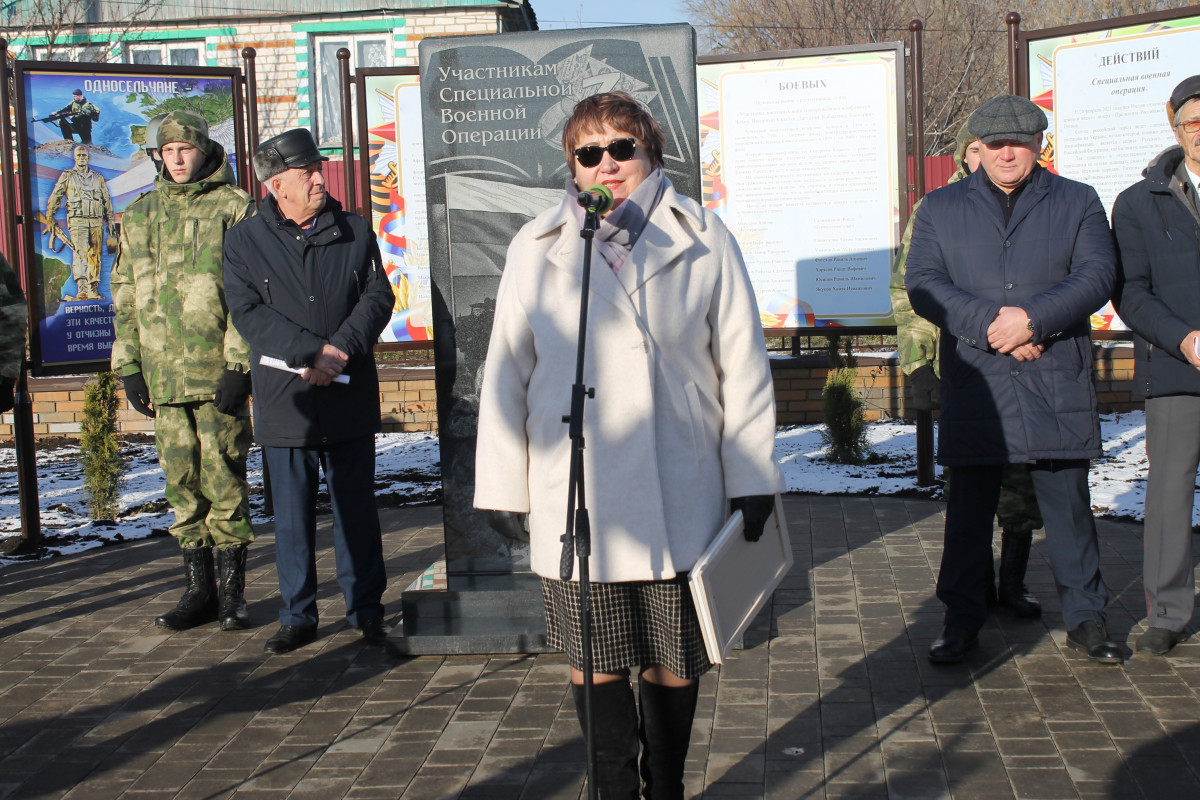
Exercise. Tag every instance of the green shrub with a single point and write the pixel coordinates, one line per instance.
(845, 431)
(100, 454)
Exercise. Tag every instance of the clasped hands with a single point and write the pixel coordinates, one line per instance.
(328, 364)
(1009, 333)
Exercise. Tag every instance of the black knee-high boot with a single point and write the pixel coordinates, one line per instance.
(667, 714)
(616, 742)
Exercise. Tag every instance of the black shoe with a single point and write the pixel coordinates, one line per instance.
(1158, 641)
(198, 605)
(374, 631)
(952, 645)
(1091, 637)
(1014, 558)
(289, 637)
(231, 586)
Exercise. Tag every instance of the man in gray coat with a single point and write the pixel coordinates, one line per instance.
(1158, 296)
(1010, 263)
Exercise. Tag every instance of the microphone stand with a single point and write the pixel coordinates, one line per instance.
(577, 540)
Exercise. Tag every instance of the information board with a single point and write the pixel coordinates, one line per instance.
(802, 157)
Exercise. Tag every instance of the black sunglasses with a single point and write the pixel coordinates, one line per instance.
(592, 154)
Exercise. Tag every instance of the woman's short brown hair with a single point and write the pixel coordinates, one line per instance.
(617, 110)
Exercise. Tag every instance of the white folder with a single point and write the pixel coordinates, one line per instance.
(734, 578)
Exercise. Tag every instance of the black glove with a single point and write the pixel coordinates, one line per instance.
(137, 394)
(755, 510)
(926, 388)
(232, 391)
(6, 394)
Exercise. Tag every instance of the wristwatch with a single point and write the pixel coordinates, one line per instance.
(1029, 325)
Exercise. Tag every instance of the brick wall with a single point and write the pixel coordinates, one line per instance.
(409, 403)
(406, 396)
(798, 384)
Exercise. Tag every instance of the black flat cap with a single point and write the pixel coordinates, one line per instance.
(293, 148)
(1007, 116)
(1188, 89)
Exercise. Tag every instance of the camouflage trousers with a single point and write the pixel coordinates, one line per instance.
(203, 456)
(1017, 510)
(86, 242)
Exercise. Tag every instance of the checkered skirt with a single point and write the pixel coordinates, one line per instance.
(634, 624)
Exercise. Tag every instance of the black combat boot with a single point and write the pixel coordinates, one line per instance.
(616, 743)
(667, 714)
(231, 586)
(1014, 558)
(199, 602)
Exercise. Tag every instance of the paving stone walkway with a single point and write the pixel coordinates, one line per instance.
(832, 697)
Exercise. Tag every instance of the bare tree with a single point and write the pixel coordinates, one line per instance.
(65, 23)
(965, 59)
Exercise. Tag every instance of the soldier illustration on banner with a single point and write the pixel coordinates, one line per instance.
(83, 164)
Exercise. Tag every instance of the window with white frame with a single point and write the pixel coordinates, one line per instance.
(80, 53)
(366, 50)
(174, 54)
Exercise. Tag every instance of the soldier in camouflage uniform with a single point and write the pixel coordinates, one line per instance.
(89, 212)
(175, 347)
(13, 318)
(76, 117)
(917, 340)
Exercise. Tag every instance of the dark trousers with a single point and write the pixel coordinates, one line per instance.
(1173, 447)
(349, 469)
(81, 126)
(1065, 502)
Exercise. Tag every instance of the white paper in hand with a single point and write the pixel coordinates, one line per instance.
(279, 363)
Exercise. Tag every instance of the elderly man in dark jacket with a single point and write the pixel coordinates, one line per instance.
(307, 290)
(1010, 263)
(1157, 223)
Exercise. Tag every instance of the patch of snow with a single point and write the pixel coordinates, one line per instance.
(407, 473)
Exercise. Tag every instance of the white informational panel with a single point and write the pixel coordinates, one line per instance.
(1104, 88)
(802, 158)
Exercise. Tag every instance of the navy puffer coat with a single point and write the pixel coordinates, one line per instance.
(1056, 260)
(1158, 284)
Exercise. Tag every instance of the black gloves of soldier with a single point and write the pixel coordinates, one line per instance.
(137, 394)
(6, 394)
(232, 391)
(755, 511)
(926, 388)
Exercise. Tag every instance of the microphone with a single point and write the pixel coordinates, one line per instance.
(598, 198)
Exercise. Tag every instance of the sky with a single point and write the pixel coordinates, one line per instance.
(407, 472)
(558, 14)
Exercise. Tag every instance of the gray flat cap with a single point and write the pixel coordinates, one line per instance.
(1007, 116)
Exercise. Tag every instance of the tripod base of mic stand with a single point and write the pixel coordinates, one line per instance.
(511, 620)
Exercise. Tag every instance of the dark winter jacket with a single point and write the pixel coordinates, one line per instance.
(1158, 280)
(289, 294)
(1056, 260)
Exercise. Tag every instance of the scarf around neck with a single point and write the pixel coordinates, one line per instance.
(620, 230)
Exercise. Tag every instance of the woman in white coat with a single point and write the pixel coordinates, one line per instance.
(682, 424)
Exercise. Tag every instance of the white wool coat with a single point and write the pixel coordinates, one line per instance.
(684, 413)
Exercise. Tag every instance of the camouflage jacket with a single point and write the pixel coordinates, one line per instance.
(13, 317)
(87, 196)
(171, 320)
(917, 338)
(74, 109)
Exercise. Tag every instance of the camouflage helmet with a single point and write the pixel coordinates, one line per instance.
(183, 126)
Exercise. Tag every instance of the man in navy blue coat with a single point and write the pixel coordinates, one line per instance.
(1010, 263)
(306, 286)
(1157, 223)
